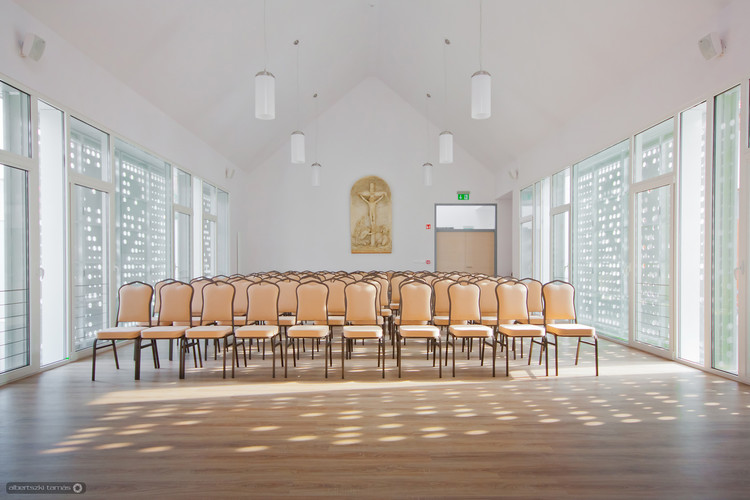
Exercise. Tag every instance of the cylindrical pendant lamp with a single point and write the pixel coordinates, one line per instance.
(446, 147)
(298, 147)
(427, 171)
(265, 96)
(316, 174)
(481, 95)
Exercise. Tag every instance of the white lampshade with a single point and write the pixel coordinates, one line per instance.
(427, 171)
(446, 147)
(316, 174)
(298, 147)
(265, 96)
(481, 95)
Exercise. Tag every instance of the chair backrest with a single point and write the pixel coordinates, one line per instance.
(262, 303)
(240, 295)
(487, 299)
(536, 304)
(221, 277)
(134, 304)
(385, 299)
(396, 280)
(176, 300)
(442, 303)
(559, 301)
(416, 302)
(198, 284)
(287, 296)
(157, 295)
(312, 302)
(511, 302)
(464, 303)
(336, 300)
(218, 303)
(361, 303)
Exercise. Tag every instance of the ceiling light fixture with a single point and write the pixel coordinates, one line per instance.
(298, 137)
(316, 165)
(446, 136)
(427, 166)
(265, 84)
(481, 84)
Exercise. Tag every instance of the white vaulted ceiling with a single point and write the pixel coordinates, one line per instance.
(196, 59)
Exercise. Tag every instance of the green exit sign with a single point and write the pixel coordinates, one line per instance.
(463, 196)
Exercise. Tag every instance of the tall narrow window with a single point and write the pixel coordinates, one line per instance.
(89, 150)
(526, 233)
(726, 203)
(14, 273)
(15, 121)
(692, 233)
(53, 231)
(143, 194)
(222, 237)
(560, 215)
(599, 240)
(182, 246)
(541, 237)
(210, 209)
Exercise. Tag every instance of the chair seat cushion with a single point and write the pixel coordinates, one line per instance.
(470, 330)
(385, 312)
(120, 333)
(394, 306)
(307, 332)
(363, 332)
(419, 331)
(334, 321)
(441, 320)
(164, 332)
(287, 320)
(208, 332)
(400, 322)
(238, 321)
(256, 331)
(521, 330)
(571, 330)
(534, 320)
(489, 320)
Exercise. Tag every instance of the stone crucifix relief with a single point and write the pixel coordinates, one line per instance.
(370, 216)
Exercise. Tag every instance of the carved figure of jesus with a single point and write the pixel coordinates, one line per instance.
(372, 198)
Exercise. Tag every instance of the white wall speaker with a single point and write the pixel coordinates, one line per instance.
(33, 46)
(711, 46)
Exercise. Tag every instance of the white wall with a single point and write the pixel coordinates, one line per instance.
(370, 131)
(66, 78)
(647, 96)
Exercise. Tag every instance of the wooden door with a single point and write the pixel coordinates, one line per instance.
(469, 251)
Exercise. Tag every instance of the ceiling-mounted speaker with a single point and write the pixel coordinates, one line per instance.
(711, 46)
(33, 46)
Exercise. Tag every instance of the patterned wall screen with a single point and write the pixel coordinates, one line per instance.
(600, 240)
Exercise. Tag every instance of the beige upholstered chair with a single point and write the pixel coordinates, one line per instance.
(465, 322)
(287, 303)
(240, 300)
(559, 305)
(362, 310)
(536, 304)
(396, 280)
(218, 307)
(311, 322)
(415, 321)
(512, 319)
(157, 307)
(441, 316)
(487, 300)
(175, 317)
(262, 316)
(133, 306)
(336, 301)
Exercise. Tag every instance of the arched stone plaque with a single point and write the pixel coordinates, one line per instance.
(370, 216)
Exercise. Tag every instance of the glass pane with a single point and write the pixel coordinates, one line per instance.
(560, 246)
(14, 273)
(89, 150)
(90, 264)
(209, 247)
(183, 194)
(15, 121)
(599, 240)
(561, 188)
(726, 203)
(142, 213)
(209, 199)
(465, 216)
(222, 240)
(53, 231)
(182, 269)
(527, 201)
(653, 219)
(692, 232)
(526, 248)
(541, 262)
(654, 153)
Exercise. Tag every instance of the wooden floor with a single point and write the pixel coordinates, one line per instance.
(645, 428)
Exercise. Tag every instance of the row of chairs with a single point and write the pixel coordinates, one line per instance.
(286, 308)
